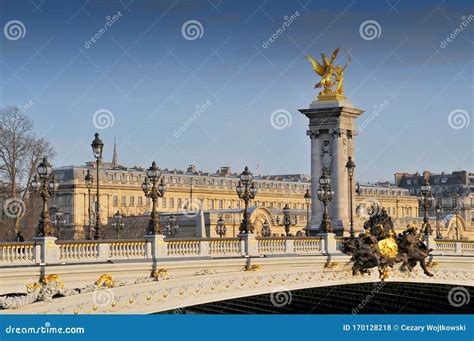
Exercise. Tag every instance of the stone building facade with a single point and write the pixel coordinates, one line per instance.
(188, 192)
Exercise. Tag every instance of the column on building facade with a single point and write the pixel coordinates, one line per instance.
(316, 206)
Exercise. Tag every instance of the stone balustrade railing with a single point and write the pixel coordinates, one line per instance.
(17, 253)
(48, 250)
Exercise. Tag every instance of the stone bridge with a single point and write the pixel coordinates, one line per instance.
(157, 274)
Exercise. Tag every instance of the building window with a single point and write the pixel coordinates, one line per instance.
(408, 182)
(140, 201)
(132, 200)
(115, 201)
(124, 200)
(171, 202)
(180, 203)
(221, 204)
(164, 202)
(148, 201)
(212, 204)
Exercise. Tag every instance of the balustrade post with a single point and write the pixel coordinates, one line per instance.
(104, 251)
(46, 250)
(430, 242)
(250, 245)
(328, 243)
(204, 248)
(289, 246)
(157, 247)
(457, 247)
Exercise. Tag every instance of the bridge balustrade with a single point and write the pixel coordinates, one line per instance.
(48, 250)
(17, 253)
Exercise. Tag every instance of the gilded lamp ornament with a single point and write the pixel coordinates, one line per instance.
(332, 76)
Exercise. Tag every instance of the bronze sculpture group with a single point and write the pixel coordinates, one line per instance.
(380, 247)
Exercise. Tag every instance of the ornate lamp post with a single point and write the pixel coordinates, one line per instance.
(89, 180)
(117, 223)
(171, 228)
(425, 201)
(58, 221)
(153, 176)
(307, 199)
(266, 232)
(325, 195)
(97, 148)
(350, 165)
(287, 223)
(221, 229)
(455, 197)
(44, 185)
(246, 191)
(438, 214)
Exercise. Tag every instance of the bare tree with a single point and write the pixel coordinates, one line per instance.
(20, 153)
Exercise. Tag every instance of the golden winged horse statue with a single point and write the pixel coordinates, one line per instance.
(327, 70)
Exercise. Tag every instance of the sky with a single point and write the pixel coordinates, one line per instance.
(200, 82)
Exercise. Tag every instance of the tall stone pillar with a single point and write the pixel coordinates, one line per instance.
(332, 130)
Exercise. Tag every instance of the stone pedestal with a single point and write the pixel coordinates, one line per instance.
(332, 129)
(249, 244)
(47, 252)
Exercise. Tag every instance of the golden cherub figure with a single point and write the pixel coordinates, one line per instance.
(330, 74)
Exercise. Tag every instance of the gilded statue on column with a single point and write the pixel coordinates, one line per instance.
(332, 76)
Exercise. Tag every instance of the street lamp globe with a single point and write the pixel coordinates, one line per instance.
(97, 146)
(89, 179)
(239, 189)
(246, 176)
(146, 186)
(153, 172)
(253, 190)
(44, 169)
(307, 196)
(350, 165)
